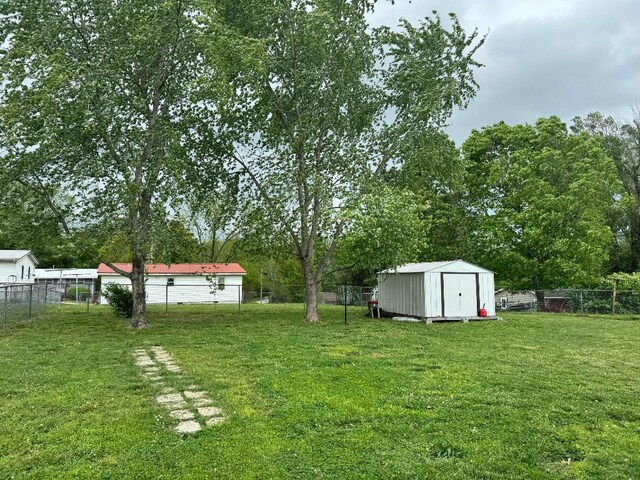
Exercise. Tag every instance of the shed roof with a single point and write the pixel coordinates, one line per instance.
(15, 255)
(178, 268)
(55, 273)
(449, 265)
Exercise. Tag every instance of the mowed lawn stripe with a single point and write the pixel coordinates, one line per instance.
(535, 396)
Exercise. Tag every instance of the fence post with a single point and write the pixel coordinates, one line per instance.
(30, 299)
(613, 301)
(166, 298)
(581, 301)
(46, 290)
(239, 295)
(6, 304)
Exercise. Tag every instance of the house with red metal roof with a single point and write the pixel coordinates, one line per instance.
(182, 282)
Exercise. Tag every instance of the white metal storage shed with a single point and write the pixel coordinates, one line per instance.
(437, 290)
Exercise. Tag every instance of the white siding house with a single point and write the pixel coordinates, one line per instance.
(437, 290)
(17, 266)
(183, 282)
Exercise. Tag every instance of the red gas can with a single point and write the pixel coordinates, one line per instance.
(482, 312)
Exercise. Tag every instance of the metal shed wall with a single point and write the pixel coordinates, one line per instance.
(433, 297)
(402, 293)
(487, 293)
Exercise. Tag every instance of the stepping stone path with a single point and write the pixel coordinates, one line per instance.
(191, 406)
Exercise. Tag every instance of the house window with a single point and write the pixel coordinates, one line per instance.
(503, 303)
(22, 274)
(221, 283)
(170, 282)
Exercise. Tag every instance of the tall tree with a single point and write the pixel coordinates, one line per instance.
(436, 174)
(388, 229)
(541, 197)
(103, 98)
(336, 103)
(621, 141)
(28, 222)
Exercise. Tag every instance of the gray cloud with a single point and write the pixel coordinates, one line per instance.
(542, 57)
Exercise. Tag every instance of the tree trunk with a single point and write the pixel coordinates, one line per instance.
(311, 299)
(540, 299)
(139, 293)
(310, 292)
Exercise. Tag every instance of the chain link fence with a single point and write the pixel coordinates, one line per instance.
(352, 295)
(570, 301)
(230, 294)
(21, 303)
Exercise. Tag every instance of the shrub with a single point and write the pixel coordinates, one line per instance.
(120, 299)
(83, 293)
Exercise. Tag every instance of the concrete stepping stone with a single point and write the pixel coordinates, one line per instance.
(189, 426)
(210, 411)
(152, 368)
(182, 414)
(142, 356)
(176, 405)
(169, 398)
(145, 362)
(215, 421)
(193, 395)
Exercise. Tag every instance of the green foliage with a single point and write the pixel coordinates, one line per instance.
(27, 222)
(435, 173)
(174, 243)
(120, 299)
(621, 141)
(624, 281)
(386, 231)
(79, 293)
(116, 248)
(541, 199)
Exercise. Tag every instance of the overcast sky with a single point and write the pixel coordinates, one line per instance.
(542, 57)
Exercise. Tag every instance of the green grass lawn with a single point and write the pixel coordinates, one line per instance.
(544, 396)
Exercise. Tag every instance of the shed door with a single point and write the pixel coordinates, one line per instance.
(460, 295)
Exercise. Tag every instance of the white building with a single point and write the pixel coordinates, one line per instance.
(17, 266)
(67, 276)
(183, 282)
(437, 290)
(65, 281)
